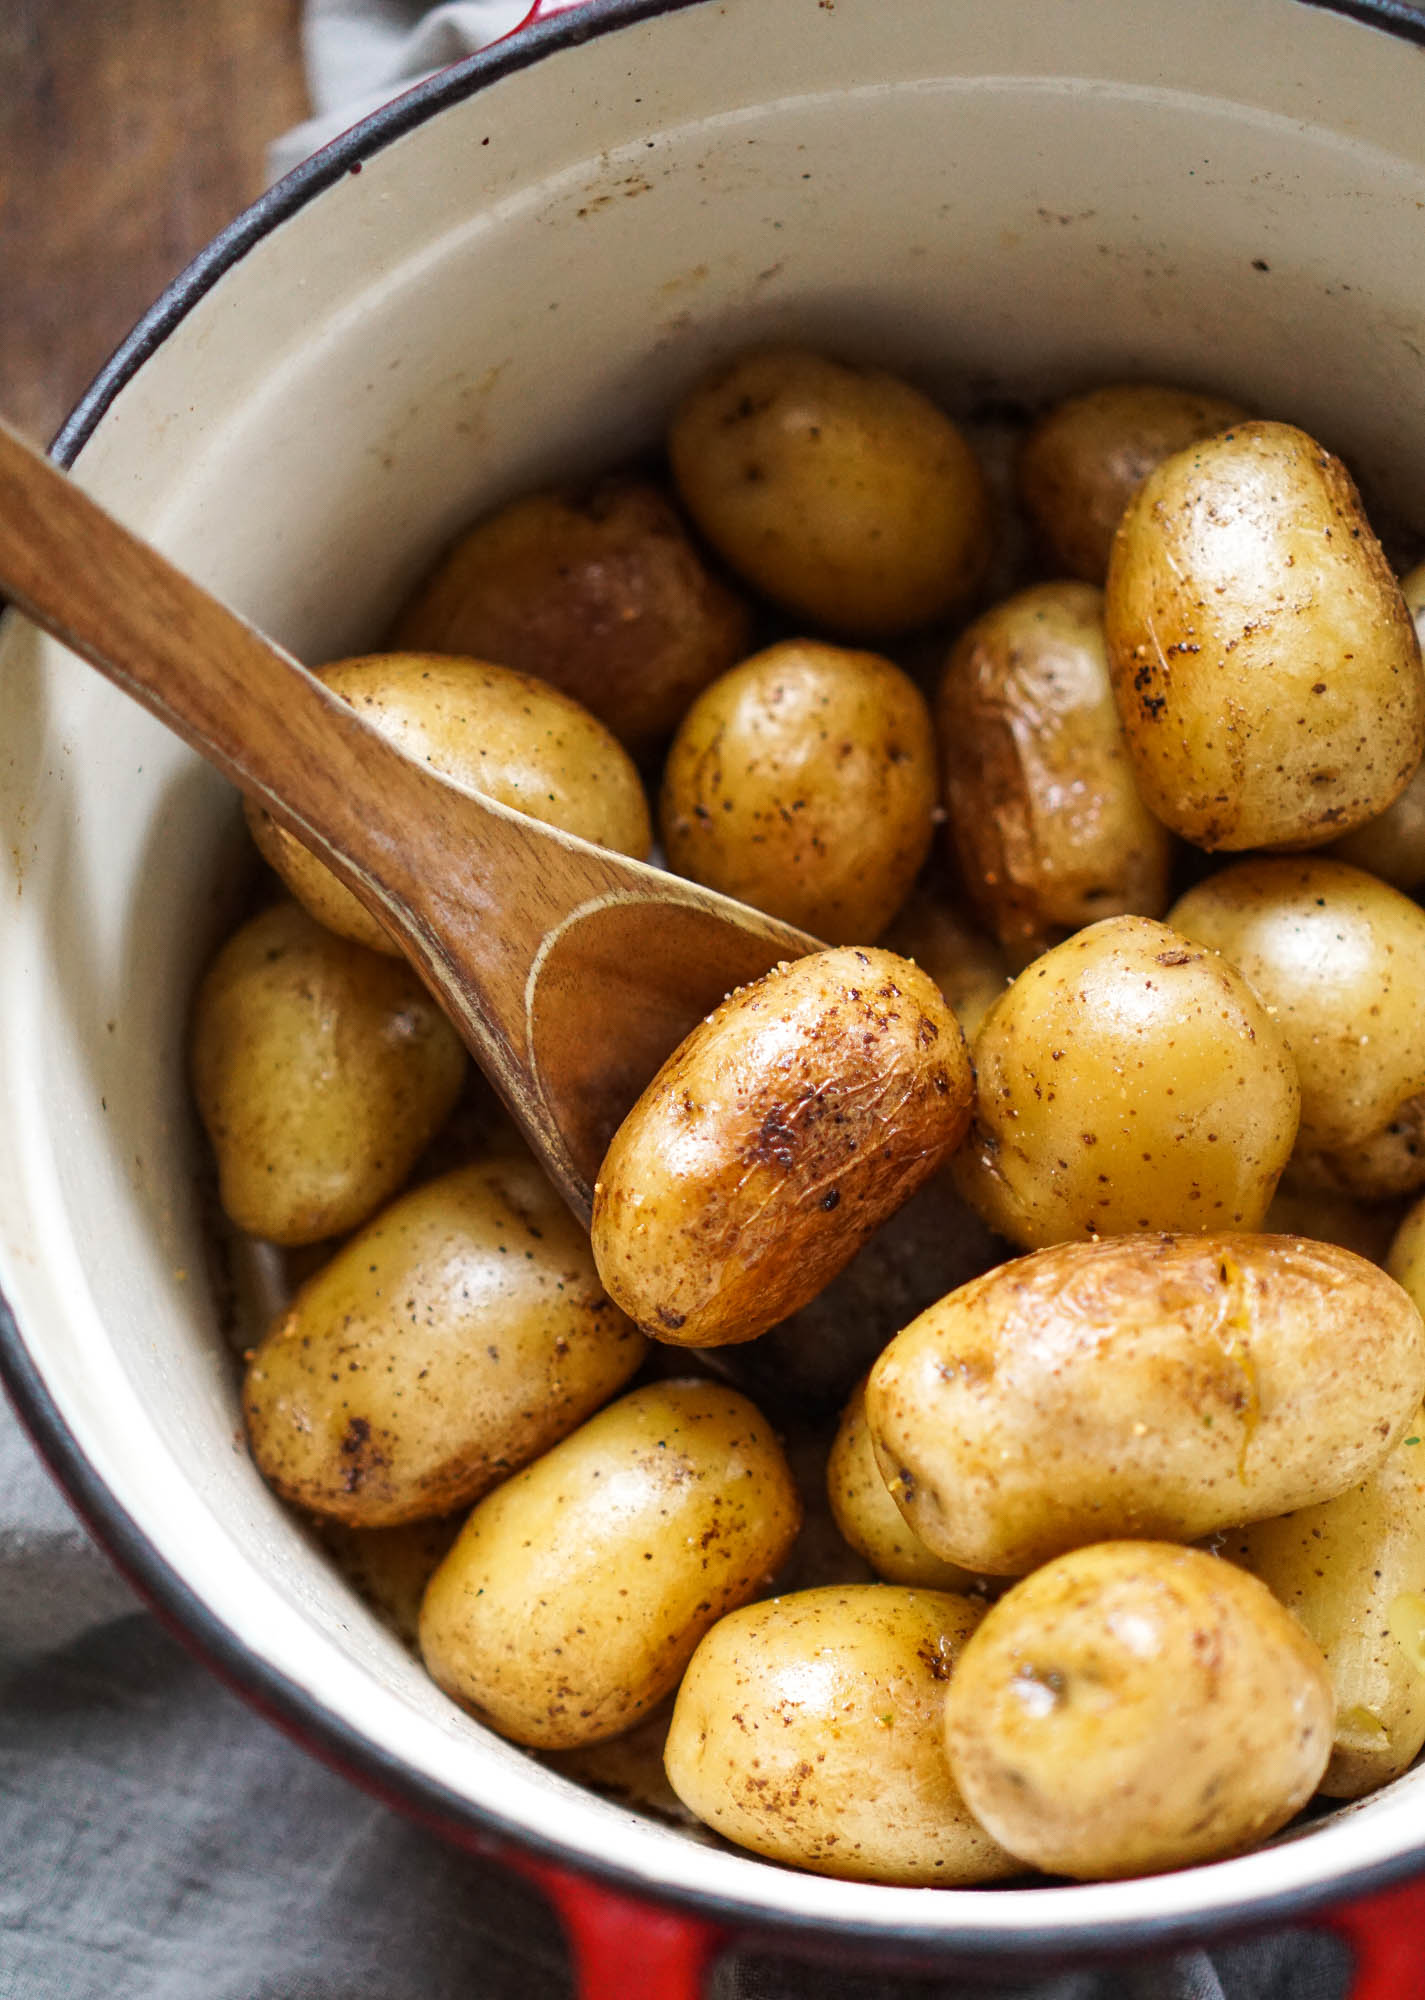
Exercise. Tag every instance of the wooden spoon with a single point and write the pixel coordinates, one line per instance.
(568, 971)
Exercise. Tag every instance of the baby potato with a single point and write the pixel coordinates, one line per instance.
(1135, 1707)
(869, 1518)
(1353, 1571)
(1327, 1216)
(803, 782)
(321, 1073)
(389, 1568)
(492, 731)
(1339, 958)
(967, 966)
(455, 1338)
(841, 492)
(600, 593)
(1141, 1386)
(1085, 459)
(577, 1591)
(1044, 813)
(1263, 660)
(1127, 1080)
(1393, 846)
(1390, 1163)
(774, 1140)
(808, 1729)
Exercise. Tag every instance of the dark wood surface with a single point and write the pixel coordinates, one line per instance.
(131, 131)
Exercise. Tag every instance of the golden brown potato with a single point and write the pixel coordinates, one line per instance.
(869, 1518)
(1152, 1386)
(1045, 816)
(809, 1729)
(492, 731)
(1135, 1707)
(842, 493)
(600, 593)
(803, 782)
(774, 1140)
(577, 1591)
(967, 966)
(456, 1337)
(1405, 1259)
(1353, 1571)
(1084, 460)
(1263, 659)
(1393, 846)
(1390, 1163)
(1127, 1080)
(321, 1073)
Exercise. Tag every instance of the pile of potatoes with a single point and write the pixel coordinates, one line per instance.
(983, 1430)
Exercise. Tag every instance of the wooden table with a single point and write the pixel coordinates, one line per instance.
(130, 132)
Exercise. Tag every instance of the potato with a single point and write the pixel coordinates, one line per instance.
(809, 1730)
(1390, 1163)
(869, 1518)
(967, 966)
(803, 782)
(577, 1591)
(321, 1073)
(1393, 846)
(842, 493)
(1135, 1707)
(1085, 459)
(1327, 1216)
(1044, 813)
(1339, 958)
(389, 1568)
(490, 730)
(1127, 1080)
(1353, 1571)
(600, 593)
(773, 1142)
(1264, 662)
(1405, 1260)
(1142, 1386)
(629, 1768)
(455, 1338)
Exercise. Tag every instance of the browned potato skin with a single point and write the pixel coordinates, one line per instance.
(600, 593)
(1086, 458)
(493, 731)
(804, 783)
(1141, 1386)
(967, 966)
(1127, 1080)
(455, 1338)
(869, 1518)
(1263, 659)
(1393, 846)
(321, 1073)
(841, 493)
(1044, 812)
(772, 1142)
(577, 1591)
(1136, 1707)
(808, 1729)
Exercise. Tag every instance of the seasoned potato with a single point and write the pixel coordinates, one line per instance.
(1152, 1386)
(321, 1073)
(456, 1337)
(809, 1730)
(967, 966)
(1127, 1080)
(842, 493)
(1393, 846)
(870, 1519)
(774, 1140)
(492, 731)
(1353, 1571)
(599, 593)
(1045, 815)
(577, 1590)
(1263, 659)
(803, 782)
(1086, 458)
(1135, 1707)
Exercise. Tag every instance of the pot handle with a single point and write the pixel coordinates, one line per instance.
(1386, 1933)
(621, 1946)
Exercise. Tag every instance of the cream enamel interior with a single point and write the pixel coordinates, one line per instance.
(1003, 199)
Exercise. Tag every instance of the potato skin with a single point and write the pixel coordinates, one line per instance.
(577, 1591)
(1393, 845)
(600, 593)
(841, 492)
(321, 1073)
(804, 782)
(808, 1729)
(772, 1142)
(452, 1340)
(1127, 1080)
(1142, 1386)
(1263, 659)
(1135, 1707)
(967, 966)
(869, 1518)
(1044, 812)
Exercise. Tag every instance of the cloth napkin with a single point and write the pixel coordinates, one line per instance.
(162, 1842)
